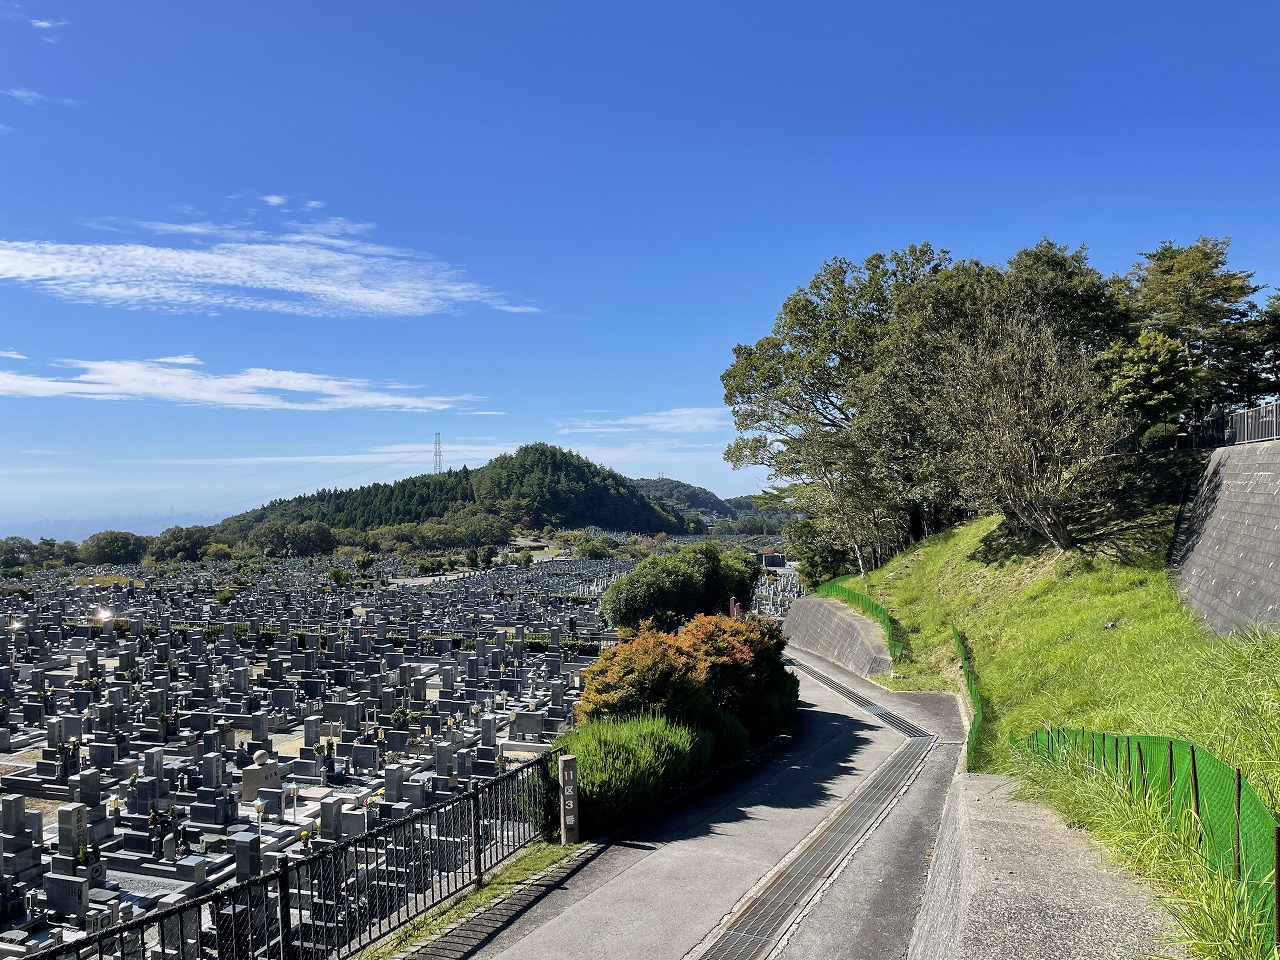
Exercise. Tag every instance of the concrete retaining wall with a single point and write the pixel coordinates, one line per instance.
(1229, 547)
(836, 632)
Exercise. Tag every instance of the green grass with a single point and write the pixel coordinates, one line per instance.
(1080, 640)
(538, 857)
(1213, 914)
(1097, 638)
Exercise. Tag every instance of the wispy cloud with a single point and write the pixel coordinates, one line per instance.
(173, 380)
(186, 359)
(12, 355)
(274, 200)
(31, 98)
(48, 24)
(4, 129)
(678, 420)
(327, 268)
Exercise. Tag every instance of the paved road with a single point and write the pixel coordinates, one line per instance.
(663, 891)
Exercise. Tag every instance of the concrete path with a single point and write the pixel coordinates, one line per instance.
(997, 878)
(664, 891)
(1021, 883)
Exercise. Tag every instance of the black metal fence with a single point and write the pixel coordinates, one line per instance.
(339, 900)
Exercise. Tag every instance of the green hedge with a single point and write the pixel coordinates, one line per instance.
(975, 700)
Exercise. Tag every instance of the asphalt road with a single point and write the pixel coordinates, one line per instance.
(661, 891)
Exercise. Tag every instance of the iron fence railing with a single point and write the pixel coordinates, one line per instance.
(1234, 830)
(1249, 426)
(333, 903)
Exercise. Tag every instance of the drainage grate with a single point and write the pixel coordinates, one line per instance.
(890, 719)
(759, 924)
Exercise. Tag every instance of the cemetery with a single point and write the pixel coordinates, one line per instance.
(160, 739)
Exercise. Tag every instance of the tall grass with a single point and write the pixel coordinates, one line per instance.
(1215, 915)
(1081, 641)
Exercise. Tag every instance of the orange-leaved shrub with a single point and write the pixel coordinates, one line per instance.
(718, 672)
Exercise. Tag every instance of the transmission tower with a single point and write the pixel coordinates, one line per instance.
(439, 456)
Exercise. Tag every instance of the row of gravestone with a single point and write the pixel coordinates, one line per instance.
(376, 699)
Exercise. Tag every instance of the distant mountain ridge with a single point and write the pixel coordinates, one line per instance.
(538, 484)
(684, 496)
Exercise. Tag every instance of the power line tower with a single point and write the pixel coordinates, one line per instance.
(439, 456)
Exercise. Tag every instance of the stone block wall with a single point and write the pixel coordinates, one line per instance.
(1228, 550)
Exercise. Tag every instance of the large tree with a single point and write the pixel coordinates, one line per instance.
(1190, 295)
(114, 546)
(810, 400)
(1028, 420)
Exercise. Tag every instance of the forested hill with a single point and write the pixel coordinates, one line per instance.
(684, 496)
(537, 485)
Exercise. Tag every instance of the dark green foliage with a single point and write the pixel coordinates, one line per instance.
(683, 497)
(541, 484)
(862, 402)
(625, 767)
(535, 486)
(670, 588)
(15, 551)
(114, 546)
(1162, 436)
(180, 543)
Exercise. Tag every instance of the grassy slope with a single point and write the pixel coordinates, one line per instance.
(1093, 638)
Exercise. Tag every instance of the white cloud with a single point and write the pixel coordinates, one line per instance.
(274, 200)
(679, 420)
(48, 24)
(31, 98)
(320, 269)
(314, 204)
(185, 359)
(172, 379)
(4, 129)
(12, 355)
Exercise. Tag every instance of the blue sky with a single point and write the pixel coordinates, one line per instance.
(247, 250)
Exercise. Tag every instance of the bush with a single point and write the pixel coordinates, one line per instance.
(713, 664)
(626, 766)
(1162, 436)
(670, 588)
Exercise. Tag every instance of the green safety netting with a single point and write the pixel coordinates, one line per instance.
(1236, 833)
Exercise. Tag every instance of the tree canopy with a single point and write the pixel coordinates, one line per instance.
(896, 393)
(673, 587)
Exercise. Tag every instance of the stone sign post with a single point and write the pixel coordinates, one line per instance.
(569, 821)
